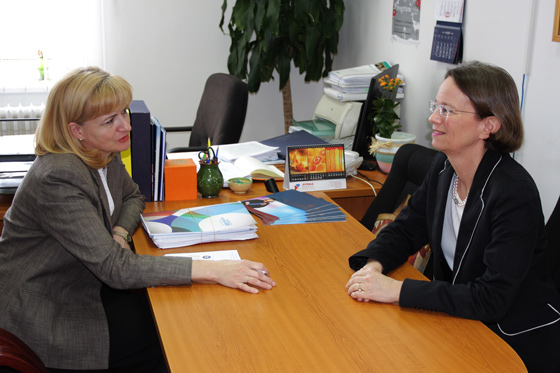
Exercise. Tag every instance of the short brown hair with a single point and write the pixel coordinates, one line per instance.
(83, 94)
(492, 92)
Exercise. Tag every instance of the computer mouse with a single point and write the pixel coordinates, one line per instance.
(367, 166)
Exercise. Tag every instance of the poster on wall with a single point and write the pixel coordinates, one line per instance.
(406, 21)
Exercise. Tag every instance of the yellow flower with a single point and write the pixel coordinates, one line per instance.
(389, 84)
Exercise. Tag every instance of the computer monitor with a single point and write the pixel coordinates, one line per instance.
(364, 129)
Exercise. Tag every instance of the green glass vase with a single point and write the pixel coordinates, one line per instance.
(209, 180)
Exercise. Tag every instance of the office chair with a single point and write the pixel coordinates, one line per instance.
(16, 356)
(221, 113)
(410, 166)
(553, 244)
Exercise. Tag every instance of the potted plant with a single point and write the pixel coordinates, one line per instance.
(267, 36)
(385, 122)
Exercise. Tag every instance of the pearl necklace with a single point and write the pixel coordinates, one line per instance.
(458, 201)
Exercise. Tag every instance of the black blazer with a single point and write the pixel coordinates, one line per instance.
(500, 274)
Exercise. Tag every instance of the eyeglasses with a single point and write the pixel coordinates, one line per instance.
(444, 110)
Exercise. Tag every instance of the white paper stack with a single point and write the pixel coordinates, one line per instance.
(17, 144)
(16, 154)
(264, 153)
(353, 84)
(191, 226)
(353, 77)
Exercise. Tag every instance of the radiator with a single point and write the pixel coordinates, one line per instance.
(20, 120)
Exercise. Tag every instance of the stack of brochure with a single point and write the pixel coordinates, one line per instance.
(353, 84)
(190, 226)
(293, 207)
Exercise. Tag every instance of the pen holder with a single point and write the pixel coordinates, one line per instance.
(209, 180)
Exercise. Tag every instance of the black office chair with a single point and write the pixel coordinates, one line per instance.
(16, 356)
(553, 244)
(221, 113)
(410, 166)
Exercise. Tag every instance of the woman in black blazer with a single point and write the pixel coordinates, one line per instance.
(481, 212)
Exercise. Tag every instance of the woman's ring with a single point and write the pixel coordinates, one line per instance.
(360, 287)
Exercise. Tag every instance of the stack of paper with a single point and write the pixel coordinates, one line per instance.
(355, 76)
(255, 149)
(293, 207)
(17, 153)
(12, 173)
(243, 166)
(190, 226)
(353, 84)
(17, 144)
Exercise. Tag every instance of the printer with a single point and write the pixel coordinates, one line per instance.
(343, 115)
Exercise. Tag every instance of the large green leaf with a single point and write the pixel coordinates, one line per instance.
(283, 67)
(268, 35)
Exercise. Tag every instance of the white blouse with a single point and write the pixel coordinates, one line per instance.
(103, 174)
(451, 224)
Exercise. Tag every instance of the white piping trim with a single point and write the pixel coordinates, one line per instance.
(444, 166)
(536, 327)
(477, 220)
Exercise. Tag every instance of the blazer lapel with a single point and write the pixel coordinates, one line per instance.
(443, 272)
(474, 206)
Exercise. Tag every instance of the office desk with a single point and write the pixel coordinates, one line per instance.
(308, 323)
(355, 199)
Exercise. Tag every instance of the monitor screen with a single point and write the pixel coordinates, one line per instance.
(364, 130)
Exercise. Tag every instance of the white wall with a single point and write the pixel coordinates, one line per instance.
(167, 49)
(498, 32)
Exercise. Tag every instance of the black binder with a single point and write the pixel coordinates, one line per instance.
(294, 138)
(141, 148)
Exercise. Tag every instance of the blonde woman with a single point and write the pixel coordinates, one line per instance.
(65, 262)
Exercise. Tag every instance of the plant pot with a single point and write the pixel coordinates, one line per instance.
(388, 147)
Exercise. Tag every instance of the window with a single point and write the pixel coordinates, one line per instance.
(68, 34)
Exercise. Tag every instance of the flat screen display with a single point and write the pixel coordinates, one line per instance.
(364, 130)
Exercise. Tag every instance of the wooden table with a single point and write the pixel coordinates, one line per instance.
(355, 199)
(308, 323)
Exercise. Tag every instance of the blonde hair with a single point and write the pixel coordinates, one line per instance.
(83, 94)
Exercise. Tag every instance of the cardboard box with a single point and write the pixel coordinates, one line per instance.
(180, 179)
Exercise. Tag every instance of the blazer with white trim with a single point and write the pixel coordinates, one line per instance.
(500, 274)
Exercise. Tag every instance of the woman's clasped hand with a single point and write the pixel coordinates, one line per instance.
(369, 283)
